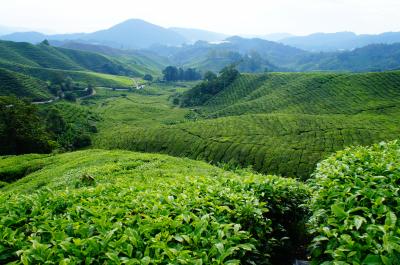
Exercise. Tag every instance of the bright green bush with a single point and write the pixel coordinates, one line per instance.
(356, 205)
(118, 207)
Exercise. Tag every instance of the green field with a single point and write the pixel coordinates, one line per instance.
(279, 123)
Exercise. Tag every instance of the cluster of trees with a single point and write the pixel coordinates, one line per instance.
(21, 128)
(211, 85)
(172, 73)
(65, 87)
(25, 129)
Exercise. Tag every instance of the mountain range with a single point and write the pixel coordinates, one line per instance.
(139, 34)
(339, 40)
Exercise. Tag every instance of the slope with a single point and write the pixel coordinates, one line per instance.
(308, 93)
(110, 207)
(281, 123)
(45, 56)
(15, 84)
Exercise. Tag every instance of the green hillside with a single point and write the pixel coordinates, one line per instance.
(116, 207)
(45, 56)
(45, 74)
(142, 61)
(308, 93)
(285, 144)
(281, 123)
(15, 84)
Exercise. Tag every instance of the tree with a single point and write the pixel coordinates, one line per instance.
(45, 42)
(21, 129)
(210, 76)
(170, 73)
(70, 96)
(148, 77)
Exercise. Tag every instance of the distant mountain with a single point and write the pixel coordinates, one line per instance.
(193, 35)
(371, 58)
(234, 49)
(340, 41)
(133, 33)
(31, 37)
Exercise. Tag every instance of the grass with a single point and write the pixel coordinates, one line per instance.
(117, 207)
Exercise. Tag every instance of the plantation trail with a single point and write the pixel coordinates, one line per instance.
(58, 98)
(88, 96)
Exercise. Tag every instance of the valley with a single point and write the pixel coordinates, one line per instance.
(118, 149)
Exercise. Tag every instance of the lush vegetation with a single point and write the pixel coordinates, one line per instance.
(297, 120)
(21, 129)
(127, 208)
(119, 207)
(15, 84)
(355, 206)
(45, 56)
(211, 86)
(25, 128)
(173, 73)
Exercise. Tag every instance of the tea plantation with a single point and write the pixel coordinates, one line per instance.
(14, 84)
(119, 207)
(280, 123)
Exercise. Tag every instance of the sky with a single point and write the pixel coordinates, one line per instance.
(233, 17)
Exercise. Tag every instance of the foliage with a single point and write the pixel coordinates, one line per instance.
(21, 130)
(19, 85)
(208, 88)
(172, 73)
(45, 56)
(120, 207)
(148, 77)
(70, 125)
(356, 206)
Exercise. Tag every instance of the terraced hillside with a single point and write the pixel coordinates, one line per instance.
(308, 93)
(115, 207)
(15, 84)
(281, 123)
(45, 56)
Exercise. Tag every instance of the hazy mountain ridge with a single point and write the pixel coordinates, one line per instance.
(340, 40)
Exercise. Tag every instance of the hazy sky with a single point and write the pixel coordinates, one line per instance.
(227, 16)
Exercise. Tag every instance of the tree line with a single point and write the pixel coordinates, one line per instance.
(173, 73)
(26, 129)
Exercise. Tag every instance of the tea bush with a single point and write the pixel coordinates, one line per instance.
(145, 209)
(356, 205)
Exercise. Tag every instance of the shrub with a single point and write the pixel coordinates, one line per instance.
(356, 205)
(113, 207)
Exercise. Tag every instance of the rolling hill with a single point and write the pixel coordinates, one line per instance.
(110, 206)
(281, 123)
(45, 56)
(19, 85)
